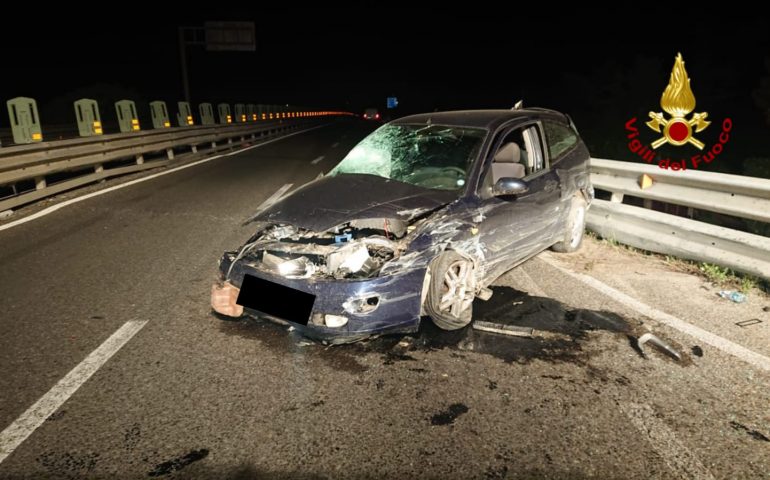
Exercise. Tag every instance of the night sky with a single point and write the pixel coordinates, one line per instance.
(602, 72)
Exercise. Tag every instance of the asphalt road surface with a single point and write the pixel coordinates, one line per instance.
(112, 294)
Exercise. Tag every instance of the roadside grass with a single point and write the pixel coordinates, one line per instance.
(714, 273)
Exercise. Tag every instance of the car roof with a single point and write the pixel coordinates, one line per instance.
(489, 119)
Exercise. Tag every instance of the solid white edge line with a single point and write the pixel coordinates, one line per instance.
(753, 358)
(317, 160)
(66, 203)
(29, 421)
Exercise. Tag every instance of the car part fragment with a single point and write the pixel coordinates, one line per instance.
(357, 249)
(512, 330)
(649, 337)
(223, 300)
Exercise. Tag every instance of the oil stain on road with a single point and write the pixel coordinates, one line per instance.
(560, 333)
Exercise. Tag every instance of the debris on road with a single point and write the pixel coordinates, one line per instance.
(176, 464)
(512, 330)
(748, 323)
(649, 337)
(697, 351)
(733, 295)
(449, 416)
(752, 433)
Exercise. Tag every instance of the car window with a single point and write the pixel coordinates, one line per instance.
(430, 156)
(560, 138)
(536, 160)
(528, 147)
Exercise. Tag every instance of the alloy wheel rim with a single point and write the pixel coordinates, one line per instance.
(458, 292)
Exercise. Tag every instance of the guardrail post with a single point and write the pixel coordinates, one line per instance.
(88, 118)
(170, 153)
(616, 197)
(213, 145)
(159, 114)
(99, 168)
(40, 183)
(139, 159)
(206, 111)
(194, 148)
(184, 116)
(127, 117)
(240, 112)
(224, 113)
(25, 121)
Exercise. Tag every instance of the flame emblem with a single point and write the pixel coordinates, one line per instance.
(678, 101)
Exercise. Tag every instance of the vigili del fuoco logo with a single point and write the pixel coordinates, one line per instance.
(680, 128)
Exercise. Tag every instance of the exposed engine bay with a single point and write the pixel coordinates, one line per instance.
(356, 249)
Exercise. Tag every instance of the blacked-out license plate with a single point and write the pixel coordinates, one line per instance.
(277, 300)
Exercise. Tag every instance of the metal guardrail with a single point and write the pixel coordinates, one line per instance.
(739, 196)
(745, 197)
(91, 157)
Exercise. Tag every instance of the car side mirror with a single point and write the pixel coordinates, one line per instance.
(509, 186)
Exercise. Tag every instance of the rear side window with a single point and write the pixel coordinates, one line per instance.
(560, 139)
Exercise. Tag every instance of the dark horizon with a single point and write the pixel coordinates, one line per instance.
(601, 72)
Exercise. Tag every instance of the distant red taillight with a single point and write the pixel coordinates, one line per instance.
(377, 116)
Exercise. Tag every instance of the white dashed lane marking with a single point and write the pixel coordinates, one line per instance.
(61, 205)
(29, 421)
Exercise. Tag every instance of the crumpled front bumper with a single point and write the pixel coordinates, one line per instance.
(398, 310)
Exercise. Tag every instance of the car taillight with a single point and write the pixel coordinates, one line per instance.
(377, 116)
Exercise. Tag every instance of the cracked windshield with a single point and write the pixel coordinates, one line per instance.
(432, 156)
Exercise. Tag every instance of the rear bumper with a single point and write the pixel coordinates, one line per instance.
(398, 310)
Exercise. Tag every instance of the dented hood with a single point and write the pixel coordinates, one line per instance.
(331, 201)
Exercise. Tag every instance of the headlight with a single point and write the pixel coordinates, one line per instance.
(297, 268)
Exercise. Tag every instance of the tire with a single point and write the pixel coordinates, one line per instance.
(450, 271)
(572, 237)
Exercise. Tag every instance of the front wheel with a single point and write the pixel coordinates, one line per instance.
(573, 232)
(452, 290)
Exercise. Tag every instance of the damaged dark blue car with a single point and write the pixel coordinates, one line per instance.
(417, 220)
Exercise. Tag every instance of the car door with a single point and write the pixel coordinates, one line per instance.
(514, 228)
